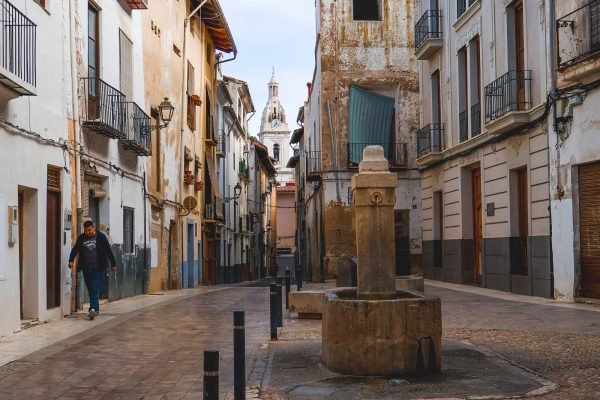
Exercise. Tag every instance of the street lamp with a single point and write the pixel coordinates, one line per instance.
(165, 111)
(237, 190)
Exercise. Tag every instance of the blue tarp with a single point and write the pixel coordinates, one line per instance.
(370, 119)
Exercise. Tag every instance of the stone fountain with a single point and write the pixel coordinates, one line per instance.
(374, 329)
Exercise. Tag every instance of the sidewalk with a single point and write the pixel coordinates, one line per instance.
(30, 340)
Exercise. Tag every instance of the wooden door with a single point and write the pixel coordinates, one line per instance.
(402, 238)
(523, 211)
(520, 54)
(589, 230)
(21, 252)
(53, 250)
(477, 225)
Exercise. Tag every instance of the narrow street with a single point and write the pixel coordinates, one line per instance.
(152, 353)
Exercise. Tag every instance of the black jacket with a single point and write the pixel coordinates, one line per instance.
(102, 247)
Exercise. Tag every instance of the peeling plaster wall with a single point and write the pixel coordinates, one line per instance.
(378, 56)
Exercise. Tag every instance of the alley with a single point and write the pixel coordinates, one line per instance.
(149, 353)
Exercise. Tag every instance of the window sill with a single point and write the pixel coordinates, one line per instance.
(466, 16)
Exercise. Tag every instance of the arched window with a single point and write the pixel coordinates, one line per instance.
(276, 151)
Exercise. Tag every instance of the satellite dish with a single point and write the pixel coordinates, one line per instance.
(190, 203)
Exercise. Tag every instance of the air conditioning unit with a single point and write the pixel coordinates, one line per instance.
(210, 211)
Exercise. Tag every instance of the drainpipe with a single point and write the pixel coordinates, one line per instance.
(186, 22)
(75, 227)
(554, 124)
(144, 281)
(333, 154)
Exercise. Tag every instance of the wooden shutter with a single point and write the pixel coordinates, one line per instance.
(589, 229)
(126, 65)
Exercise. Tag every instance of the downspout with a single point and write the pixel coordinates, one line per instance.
(144, 280)
(77, 169)
(182, 127)
(554, 124)
(333, 154)
(229, 59)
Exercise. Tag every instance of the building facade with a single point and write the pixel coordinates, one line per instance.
(575, 148)
(483, 144)
(364, 92)
(234, 108)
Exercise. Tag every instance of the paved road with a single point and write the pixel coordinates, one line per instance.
(153, 353)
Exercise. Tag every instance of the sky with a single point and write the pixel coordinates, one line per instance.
(272, 33)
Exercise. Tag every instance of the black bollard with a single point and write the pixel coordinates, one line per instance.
(211, 375)
(239, 356)
(299, 278)
(273, 297)
(287, 288)
(279, 301)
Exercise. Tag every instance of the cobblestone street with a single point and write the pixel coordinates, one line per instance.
(155, 352)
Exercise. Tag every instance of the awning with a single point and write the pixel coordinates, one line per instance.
(214, 184)
(370, 119)
(293, 161)
(297, 135)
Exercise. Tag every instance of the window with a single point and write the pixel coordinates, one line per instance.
(126, 65)
(209, 121)
(366, 10)
(475, 95)
(436, 109)
(438, 227)
(191, 104)
(276, 151)
(128, 230)
(93, 48)
(463, 85)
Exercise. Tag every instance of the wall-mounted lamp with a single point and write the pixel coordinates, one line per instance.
(165, 110)
(237, 190)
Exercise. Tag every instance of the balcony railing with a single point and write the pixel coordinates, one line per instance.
(395, 153)
(428, 27)
(18, 52)
(220, 144)
(510, 92)
(475, 119)
(463, 125)
(430, 139)
(104, 109)
(313, 164)
(578, 34)
(139, 137)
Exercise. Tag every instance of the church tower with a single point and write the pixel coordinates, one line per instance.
(275, 134)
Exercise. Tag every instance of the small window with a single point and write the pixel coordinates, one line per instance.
(276, 151)
(366, 10)
(127, 230)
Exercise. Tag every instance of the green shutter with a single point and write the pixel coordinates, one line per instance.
(370, 119)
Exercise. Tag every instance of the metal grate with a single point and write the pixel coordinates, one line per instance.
(463, 125)
(53, 179)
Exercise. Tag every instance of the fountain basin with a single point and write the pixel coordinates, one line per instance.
(392, 337)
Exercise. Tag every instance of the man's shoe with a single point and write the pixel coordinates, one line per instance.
(92, 314)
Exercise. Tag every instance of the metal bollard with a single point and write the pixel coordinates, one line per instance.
(273, 297)
(211, 375)
(287, 288)
(299, 277)
(239, 356)
(279, 301)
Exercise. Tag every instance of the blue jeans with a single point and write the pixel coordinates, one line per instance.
(93, 279)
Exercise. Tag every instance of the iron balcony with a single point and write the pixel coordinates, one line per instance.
(104, 108)
(138, 130)
(395, 153)
(17, 51)
(578, 34)
(430, 139)
(510, 92)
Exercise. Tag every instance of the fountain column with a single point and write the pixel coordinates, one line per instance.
(374, 197)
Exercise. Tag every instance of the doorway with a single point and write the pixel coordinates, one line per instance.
(28, 252)
(190, 255)
(477, 225)
(401, 233)
(53, 239)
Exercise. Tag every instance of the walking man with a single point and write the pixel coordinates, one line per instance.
(94, 253)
